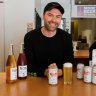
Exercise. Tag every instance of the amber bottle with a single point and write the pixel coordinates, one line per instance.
(11, 67)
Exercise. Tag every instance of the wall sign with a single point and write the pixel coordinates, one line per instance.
(86, 11)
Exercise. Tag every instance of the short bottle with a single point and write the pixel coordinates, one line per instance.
(22, 64)
(11, 67)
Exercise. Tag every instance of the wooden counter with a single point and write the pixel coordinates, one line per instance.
(2, 79)
(81, 54)
(36, 86)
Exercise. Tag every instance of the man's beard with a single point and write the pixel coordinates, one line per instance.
(49, 28)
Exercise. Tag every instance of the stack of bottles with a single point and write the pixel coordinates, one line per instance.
(16, 69)
(88, 73)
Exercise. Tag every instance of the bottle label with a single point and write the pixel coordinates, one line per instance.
(22, 71)
(13, 73)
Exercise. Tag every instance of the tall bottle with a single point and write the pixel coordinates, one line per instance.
(22, 64)
(11, 67)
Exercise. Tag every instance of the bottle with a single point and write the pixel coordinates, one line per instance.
(11, 67)
(21, 64)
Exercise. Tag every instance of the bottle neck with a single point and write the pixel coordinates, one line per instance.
(11, 49)
(21, 48)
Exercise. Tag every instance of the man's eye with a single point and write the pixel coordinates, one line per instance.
(50, 15)
(58, 16)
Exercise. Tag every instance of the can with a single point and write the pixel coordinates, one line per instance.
(90, 63)
(87, 74)
(93, 63)
(94, 74)
(53, 76)
(80, 70)
(94, 55)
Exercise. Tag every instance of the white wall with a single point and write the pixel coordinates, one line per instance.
(17, 14)
(38, 6)
(1, 37)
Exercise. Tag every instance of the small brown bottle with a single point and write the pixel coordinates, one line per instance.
(11, 67)
(21, 64)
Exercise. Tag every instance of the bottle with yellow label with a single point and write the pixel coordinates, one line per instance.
(11, 67)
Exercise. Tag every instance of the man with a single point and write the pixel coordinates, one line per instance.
(49, 44)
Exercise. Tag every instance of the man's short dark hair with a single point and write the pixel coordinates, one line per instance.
(52, 5)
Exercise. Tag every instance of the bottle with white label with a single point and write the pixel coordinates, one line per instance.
(11, 67)
(22, 64)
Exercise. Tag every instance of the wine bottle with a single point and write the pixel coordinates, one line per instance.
(11, 67)
(22, 64)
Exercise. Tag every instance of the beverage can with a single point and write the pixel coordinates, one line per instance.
(93, 63)
(90, 63)
(87, 74)
(80, 70)
(94, 55)
(67, 73)
(53, 76)
(94, 74)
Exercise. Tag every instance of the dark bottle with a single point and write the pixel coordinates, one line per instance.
(22, 64)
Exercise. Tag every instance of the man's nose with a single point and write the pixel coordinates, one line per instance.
(54, 19)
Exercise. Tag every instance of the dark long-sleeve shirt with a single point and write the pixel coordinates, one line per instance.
(41, 51)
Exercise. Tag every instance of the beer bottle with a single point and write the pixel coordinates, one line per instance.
(22, 64)
(11, 67)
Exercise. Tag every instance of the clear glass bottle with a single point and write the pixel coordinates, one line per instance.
(22, 64)
(11, 67)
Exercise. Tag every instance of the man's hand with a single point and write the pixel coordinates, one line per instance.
(46, 73)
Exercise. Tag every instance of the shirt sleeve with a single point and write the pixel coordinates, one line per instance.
(29, 52)
(68, 50)
(69, 57)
